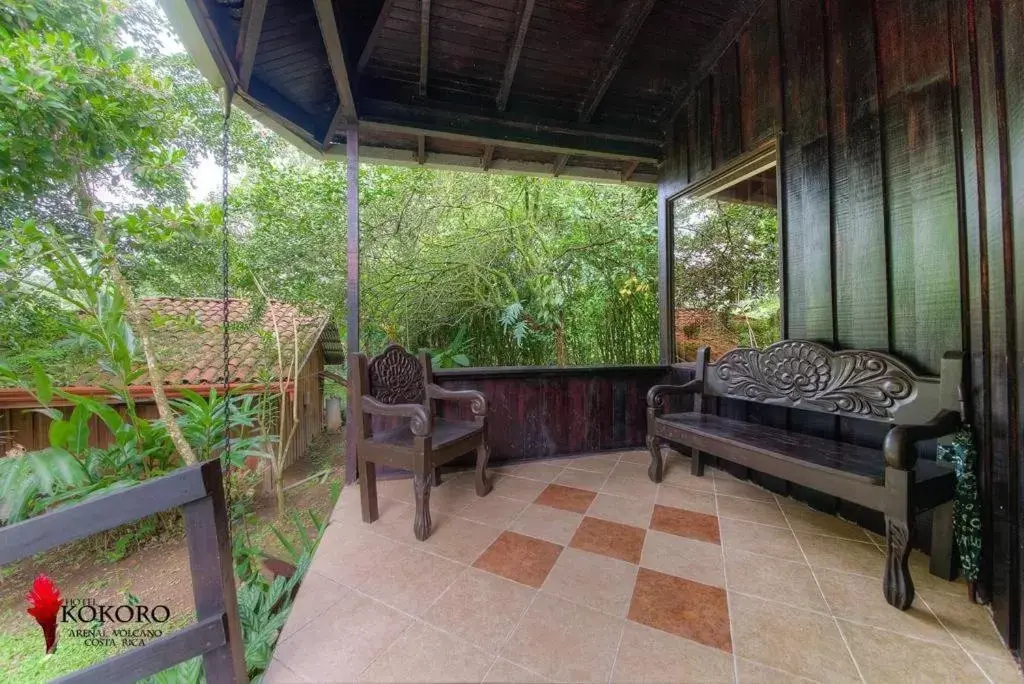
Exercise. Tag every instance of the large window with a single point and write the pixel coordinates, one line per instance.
(726, 276)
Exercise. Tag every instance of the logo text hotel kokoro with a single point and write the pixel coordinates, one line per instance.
(124, 625)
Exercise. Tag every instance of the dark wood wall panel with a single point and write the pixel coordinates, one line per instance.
(725, 103)
(901, 146)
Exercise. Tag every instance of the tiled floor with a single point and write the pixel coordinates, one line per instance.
(583, 570)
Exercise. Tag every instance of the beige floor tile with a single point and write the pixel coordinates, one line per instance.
(760, 539)
(774, 579)
(751, 511)
(626, 469)
(637, 456)
(279, 673)
(755, 673)
(581, 479)
(832, 553)
(410, 579)
(887, 657)
(504, 672)
(683, 557)
(424, 654)
(805, 519)
(859, 598)
(451, 497)
(565, 641)
(591, 580)
(395, 519)
(1001, 670)
(925, 581)
(512, 487)
(399, 489)
(594, 464)
(702, 502)
(970, 623)
(677, 474)
(480, 607)
(650, 655)
(340, 644)
(544, 471)
(620, 509)
(349, 552)
(316, 594)
(731, 486)
(493, 510)
(455, 538)
(630, 487)
(545, 522)
(347, 507)
(805, 643)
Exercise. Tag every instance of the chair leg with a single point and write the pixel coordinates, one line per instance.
(656, 470)
(696, 462)
(897, 584)
(943, 560)
(437, 477)
(421, 486)
(483, 483)
(368, 490)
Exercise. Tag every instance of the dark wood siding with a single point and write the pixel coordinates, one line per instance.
(901, 145)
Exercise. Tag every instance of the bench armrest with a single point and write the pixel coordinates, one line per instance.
(656, 395)
(900, 440)
(420, 421)
(477, 401)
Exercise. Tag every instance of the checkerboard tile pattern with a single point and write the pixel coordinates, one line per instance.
(583, 570)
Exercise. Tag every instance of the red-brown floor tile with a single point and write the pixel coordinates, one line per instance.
(607, 538)
(566, 498)
(683, 607)
(519, 558)
(685, 523)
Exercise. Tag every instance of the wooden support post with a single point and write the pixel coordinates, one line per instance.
(561, 161)
(628, 169)
(352, 290)
(488, 157)
(666, 317)
(213, 576)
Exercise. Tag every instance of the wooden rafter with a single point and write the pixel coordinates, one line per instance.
(371, 40)
(559, 165)
(628, 169)
(487, 158)
(522, 24)
(743, 12)
(424, 43)
(346, 112)
(421, 149)
(249, 39)
(633, 18)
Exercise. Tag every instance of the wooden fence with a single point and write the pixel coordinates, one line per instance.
(217, 632)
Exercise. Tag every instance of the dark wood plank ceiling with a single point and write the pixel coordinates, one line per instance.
(584, 82)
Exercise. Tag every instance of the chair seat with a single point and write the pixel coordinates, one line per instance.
(445, 432)
(859, 462)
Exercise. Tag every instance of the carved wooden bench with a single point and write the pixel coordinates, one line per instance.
(856, 384)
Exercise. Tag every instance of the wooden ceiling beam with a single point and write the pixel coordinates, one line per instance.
(742, 14)
(253, 13)
(371, 40)
(559, 165)
(346, 112)
(424, 44)
(502, 130)
(522, 24)
(634, 16)
(487, 158)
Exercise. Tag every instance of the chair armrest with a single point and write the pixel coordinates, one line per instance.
(656, 395)
(477, 401)
(420, 421)
(900, 440)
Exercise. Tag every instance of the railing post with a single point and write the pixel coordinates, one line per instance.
(213, 576)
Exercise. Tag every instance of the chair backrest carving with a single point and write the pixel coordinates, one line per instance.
(853, 382)
(396, 377)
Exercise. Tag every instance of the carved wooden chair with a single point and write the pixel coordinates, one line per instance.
(396, 384)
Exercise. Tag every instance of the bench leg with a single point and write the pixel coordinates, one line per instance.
(437, 477)
(942, 563)
(696, 463)
(368, 490)
(483, 483)
(656, 471)
(897, 584)
(421, 482)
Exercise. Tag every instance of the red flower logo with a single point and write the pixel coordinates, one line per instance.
(44, 603)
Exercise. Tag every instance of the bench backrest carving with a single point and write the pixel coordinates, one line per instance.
(853, 382)
(396, 377)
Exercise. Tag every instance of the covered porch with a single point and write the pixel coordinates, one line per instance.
(884, 135)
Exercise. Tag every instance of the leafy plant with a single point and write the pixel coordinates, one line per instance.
(202, 422)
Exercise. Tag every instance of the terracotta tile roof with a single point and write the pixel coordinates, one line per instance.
(187, 336)
(702, 327)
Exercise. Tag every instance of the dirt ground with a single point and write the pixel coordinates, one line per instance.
(158, 572)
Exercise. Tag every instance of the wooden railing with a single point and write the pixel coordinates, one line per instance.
(217, 632)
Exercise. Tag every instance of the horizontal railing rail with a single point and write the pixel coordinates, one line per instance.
(217, 632)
